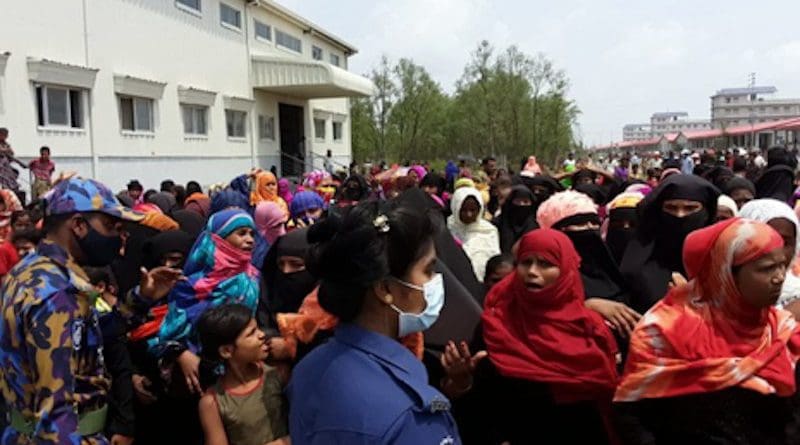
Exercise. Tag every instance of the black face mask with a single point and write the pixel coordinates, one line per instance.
(292, 288)
(676, 229)
(673, 233)
(100, 250)
(589, 244)
(352, 194)
(519, 214)
(617, 241)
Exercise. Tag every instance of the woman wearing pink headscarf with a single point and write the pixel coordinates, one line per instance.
(284, 191)
(270, 221)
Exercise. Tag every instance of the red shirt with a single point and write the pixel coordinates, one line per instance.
(42, 169)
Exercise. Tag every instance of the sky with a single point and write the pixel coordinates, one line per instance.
(625, 59)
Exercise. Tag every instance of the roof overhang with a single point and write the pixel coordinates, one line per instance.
(307, 79)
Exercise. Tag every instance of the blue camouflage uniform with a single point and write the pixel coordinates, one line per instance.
(51, 347)
(365, 388)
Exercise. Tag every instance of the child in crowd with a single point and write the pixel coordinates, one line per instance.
(497, 268)
(246, 405)
(120, 419)
(25, 241)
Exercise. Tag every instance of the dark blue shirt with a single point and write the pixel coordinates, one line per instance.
(365, 388)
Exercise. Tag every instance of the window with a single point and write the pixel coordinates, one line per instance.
(194, 119)
(136, 113)
(316, 52)
(266, 127)
(59, 106)
(194, 5)
(319, 129)
(335, 59)
(230, 16)
(236, 123)
(337, 131)
(287, 41)
(263, 31)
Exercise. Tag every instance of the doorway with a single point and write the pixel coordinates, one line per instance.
(293, 152)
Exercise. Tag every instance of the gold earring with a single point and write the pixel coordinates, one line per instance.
(388, 298)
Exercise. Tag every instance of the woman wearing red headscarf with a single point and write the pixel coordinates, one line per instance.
(551, 371)
(714, 361)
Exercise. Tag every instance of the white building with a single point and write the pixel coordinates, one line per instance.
(731, 107)
(676, 122)
(637, 132)
(179, 89)
(663, 123)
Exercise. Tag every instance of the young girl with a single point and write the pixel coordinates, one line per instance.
(218, 271)
(245, 406)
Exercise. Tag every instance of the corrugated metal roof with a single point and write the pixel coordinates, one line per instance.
(746, 91)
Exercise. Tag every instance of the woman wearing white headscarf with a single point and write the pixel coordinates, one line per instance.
(478, 237)
(782, 218)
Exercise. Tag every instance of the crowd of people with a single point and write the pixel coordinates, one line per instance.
(591, 303)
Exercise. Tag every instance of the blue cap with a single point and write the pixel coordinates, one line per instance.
(79, 195)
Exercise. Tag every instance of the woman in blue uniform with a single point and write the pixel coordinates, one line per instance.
(364, 386)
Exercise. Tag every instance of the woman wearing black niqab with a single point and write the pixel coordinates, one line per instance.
(516, 218)
(678, 206)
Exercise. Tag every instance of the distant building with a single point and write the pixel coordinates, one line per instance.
(732, 107)
(663, 123)
(637, 132)
(676, 122)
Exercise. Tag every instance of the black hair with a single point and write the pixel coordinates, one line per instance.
(491, 158)
(148, 194)
(54, 222)
(739, 164)
(495, 262)
(368, 244)
(180, 194)
(167, 185)
(15, 216)
(135, 185)
(32, 235)
(43, 149)
(98, 275)
(220, 326)
(3, 130)
(193, 187)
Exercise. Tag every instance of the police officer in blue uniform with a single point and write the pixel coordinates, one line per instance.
(365, 386)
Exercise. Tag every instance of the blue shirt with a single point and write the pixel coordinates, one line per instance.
(365, 388)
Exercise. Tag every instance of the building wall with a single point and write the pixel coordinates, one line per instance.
(157, 41)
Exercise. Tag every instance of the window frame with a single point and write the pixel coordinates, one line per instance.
(194, 109)
(180, 4)
(231, 26)
(338, 60)
(230, 124)
(136, 127)
(262, 127)
(278, 44)
(314, 50)
(256, 23)
(43, 107)
(341, 131)
(324, 130)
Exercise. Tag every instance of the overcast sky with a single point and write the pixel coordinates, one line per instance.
(625, 59)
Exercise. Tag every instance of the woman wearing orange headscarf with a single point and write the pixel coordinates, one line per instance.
(714, 361)
(265, 188)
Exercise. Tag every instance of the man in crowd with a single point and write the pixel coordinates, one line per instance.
(54, 378)
(42, 169)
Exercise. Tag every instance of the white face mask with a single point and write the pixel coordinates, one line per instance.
(433, 292)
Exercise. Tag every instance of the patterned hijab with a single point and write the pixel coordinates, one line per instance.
(702, 337)
(216, 273)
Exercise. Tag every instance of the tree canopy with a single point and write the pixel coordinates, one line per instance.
(505, 104)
